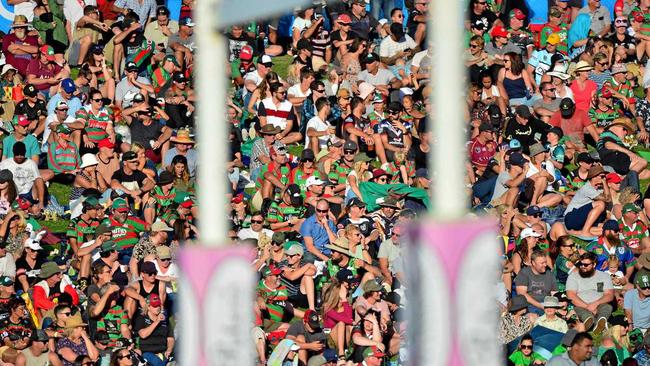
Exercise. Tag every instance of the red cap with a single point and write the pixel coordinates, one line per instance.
(499, 31)
(106, 143)
(613, 178)
(344, 18)
(637, 16)
(275, 270)
(22, 120)
(246, 53)
(378, 173)
(238, 198)
(48, 52)
(605, 93)
(516, 13)
(154, 300)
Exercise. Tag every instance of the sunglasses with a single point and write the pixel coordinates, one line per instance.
(97, 100)
(281, 92)
(257, 221)
(525, 346)
(536, 215)
(149, 273)
(121, 357)
(473, 46)
(307, 160)
(551, 90)
(568, 245)
(322, 211)
(602, 63)
(349, 152)
(67, 313)
(319, 90)
(165, 259)
(620, 22)
(62, 110)
(582, 264)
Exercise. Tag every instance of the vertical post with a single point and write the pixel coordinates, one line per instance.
(212, 133)
(447, 158)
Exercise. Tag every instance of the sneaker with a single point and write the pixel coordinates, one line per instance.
(601, 324)
(589, 322)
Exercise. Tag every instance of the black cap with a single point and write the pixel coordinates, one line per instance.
(138, 98)
(30, 90)
(485, 127)
(557, 131)
(162, 10)
(345, 275)
(307, 154)
(179, 77)
(356, 202)
(567, 107)
(19, 148)
(585, 158)
(129, 155)
(523, 111)
(131, 66)
(395, 107)
(293, 190)
(370, 58)
(517, 159)
(97, 49)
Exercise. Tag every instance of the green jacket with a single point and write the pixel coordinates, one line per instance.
(59, 32)
(371, 191)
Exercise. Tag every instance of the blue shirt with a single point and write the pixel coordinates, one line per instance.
(74, 105)
(31, 145)
(540, 60)
(625, 257)
(640, 309)
(311, 228)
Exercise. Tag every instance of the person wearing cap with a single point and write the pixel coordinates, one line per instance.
(60, 115)
(633, 229)
(7, 290)
(20, 45)
(16, 327)
(635, 303)
(52, 283)
(22, 128)
(394, 133)
(161, 77)
(38, 351)
(44, 73)
(318, 189)
(139, 290)
(362, 24)
(506, 189)
(162, 28)
(500, 44)
(182, 42)
(254, 78)
(573, 122)
(380, 78)
(271, 296)
(578, 177)
(357, 128)
(149, 131)
(289, 213)
(154, 332)
(308, 335)
(277, 111)
(63, 159)
(621, 88)
(610, 242)
(519, 35)
(298, 277)
(525, 127)
(557, 24)
(587, 207)
(131, 84)
(300, 91)
(275, 174)
(130, 227)
(31, 186)
(82, 228)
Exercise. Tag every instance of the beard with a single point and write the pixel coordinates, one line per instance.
(613, 239)
(587, 274)
(337, 260)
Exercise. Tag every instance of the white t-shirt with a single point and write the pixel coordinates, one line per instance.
(46, 132)
(295, 91)
(172, 271)
(389, 48)
(300, 24)
(74, 10)
(8, 266)
(248, 233)
(26, 8)
(24, 174)
(319, 125)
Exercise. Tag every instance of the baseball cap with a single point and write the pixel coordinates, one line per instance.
(618, 68)
(162, 10)
(485, 127)
(109, 246)
(62, 105)
(373, 352)
(159, 225)
(312, 319)
(293, 190)
(533, 210)
(584, 157)
(514, 144)
(611, 225)
(266, 60)
(294, 248)
(48, 52)
(163, 252)
(148, 267)
(516, 13)
(97, 49)
(529, 233)
(129, 155)
(154, 299)
(19, 149)
(179, 77)
(271, 269)
(344, 19)
(345, 275)
(523, 111)
(138, 98)
(120, 204)
(356, 202)
(557, 131)
(186, 21)
(567, 107)
(370, 58)
(131, 66)
(637, 16)
(350, 145)
(246, 53)
(630, 207)
(553, 39)
(313, 181)
(642, 280)
(30, 90)
(6, 281)
(184, 199)
(499, 31)
(307, 154)
(21, 120)
(106, 143)
(517, 159)
(172, 59)
(613, 178)
(554, 12)
(279, 237)
(68, 85)
(605, 93)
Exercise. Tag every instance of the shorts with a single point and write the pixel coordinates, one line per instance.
(575, 219)
(619, 161)
(299, 300)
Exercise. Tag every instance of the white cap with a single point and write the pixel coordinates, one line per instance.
(313, 181)
(529, 232)
(7, 67)
(88, 160)
(33, 244)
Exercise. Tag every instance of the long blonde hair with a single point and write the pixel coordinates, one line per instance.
(616, 332)
(331, 298)
(360, 170)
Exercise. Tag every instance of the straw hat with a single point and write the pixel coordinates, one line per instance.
(583, 66)
(88, 160)
(74, 321)
(183, 137)
(20, 21)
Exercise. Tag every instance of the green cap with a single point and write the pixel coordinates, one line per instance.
(361, 157)
(642, 280)
(183, 199)
(91, 202)
(630, 207)
(171, 58)
(109, 245)
(63, 128)
(120, 204)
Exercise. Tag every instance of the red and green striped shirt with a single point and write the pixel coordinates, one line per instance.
(62, 159)
(96, 125)
(81, 230)
(274, 300)
(126, 235)
(284, 174)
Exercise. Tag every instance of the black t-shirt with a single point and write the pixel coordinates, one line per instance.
(24, 269)
(120, 278)
(487, 18)
(128, 180)
(143, 134)
(418, 156)
(32, 112)
(157, 341)
(365, 224)
(628, 41)
(361, 28)
(534, 131)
